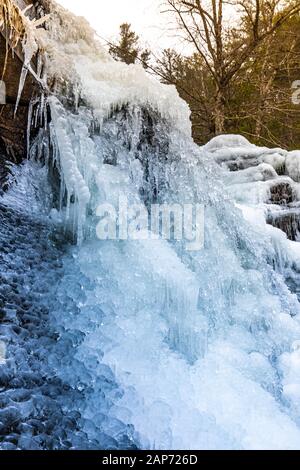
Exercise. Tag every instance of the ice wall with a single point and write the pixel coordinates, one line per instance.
(196, 340)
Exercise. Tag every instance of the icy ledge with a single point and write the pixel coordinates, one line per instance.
(265, 185)
(72, 60)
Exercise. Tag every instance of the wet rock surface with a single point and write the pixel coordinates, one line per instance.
(281, 194)
(287, 220)
(38, 408)
(31, 397)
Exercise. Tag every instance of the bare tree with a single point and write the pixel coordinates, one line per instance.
(204, 26)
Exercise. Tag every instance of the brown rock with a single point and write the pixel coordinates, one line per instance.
(13, 129)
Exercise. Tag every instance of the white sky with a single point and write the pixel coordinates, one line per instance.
(105, 16)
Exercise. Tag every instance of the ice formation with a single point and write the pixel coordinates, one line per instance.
(265, 185)
(142, 343)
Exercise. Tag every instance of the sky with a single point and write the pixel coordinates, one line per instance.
(105, 16)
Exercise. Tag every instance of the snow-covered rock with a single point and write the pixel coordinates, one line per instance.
(292, 165)
(236, 153)
(227, 141)
(265, 185)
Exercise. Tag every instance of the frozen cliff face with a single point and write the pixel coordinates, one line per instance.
(161, 347)
(265, 185)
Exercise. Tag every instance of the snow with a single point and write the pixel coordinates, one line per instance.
(235, 149)
(290, 368)
(276, 160)
(130, 85)
(261, 172)
(72, 54)
(264, 196)
(29, 190)
(227, 141)
(292, 164)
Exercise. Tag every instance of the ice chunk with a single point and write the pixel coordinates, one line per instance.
(276, 160)
(290, 366)
(292, 164)
(227, 140)
(262, 172)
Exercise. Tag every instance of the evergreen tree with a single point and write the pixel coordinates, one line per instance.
(127, 49)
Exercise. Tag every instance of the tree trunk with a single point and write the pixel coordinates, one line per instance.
(219, 114)
(259, 121)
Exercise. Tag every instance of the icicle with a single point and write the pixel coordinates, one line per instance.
(45, 117)
(40, 145)
(39, 65)
(21, 86)
(74, 181)
(41, 108)
(62, 193)
(36, 115)
(29, 124)
(76, 96)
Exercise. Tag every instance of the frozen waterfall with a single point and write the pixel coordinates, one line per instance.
(159, 347)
